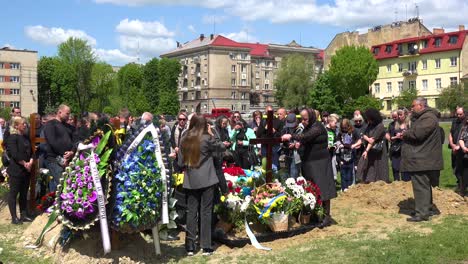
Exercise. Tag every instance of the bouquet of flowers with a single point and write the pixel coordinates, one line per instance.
(77, 195)
(139, 189)
(306, 191)
(47, 201)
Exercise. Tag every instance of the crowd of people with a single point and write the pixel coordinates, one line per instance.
(317, 146)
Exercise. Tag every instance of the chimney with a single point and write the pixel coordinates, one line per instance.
(202, 37)
(436, 31)
(461, 27)
(178, 44)
(211, 36)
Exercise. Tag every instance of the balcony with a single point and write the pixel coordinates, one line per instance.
(198, 74)
(408, 73)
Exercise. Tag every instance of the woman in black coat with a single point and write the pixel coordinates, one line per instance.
(20, 166)
(316, 160)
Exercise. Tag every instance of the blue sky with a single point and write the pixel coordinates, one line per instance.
(122, 30)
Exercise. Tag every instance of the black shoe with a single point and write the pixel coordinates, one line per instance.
(207, 252)
(417, 219)
(16, 221)
(434, 211)
(327, 221)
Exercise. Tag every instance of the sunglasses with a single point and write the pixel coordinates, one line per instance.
(236, 116)
(182, 119)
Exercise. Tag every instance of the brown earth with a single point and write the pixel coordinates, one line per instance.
(374, 209)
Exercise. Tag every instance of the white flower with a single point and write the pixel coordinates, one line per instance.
(246, 203)
(309, 199)
(297, 191)
(300, 178)
(290, 182)
(233, 201)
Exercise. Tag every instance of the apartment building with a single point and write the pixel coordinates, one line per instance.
(428, 63)
(18, 79)
(220, 72)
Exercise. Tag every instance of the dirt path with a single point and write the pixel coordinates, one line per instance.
(376, 209)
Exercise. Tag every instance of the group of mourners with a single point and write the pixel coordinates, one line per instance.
(314, 145)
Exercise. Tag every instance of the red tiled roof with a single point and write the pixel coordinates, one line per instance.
(321, 54)
(431, 48)
(256, 49)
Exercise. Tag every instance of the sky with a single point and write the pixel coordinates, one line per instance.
(123, 31)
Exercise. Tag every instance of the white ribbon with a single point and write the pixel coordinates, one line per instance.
(101, 198)
(253, 239)
(157, 151)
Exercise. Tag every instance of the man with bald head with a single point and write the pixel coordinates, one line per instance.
(61, 146)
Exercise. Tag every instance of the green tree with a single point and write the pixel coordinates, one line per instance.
(129, 79)
(453, 96)
(363, 102)
(322, 96)
(76, 61)
(103, 83)
(352, 70)
(406, 97)
(294, 81)
(5, 113)
(150, 84)
(168, 70)
(48, 84)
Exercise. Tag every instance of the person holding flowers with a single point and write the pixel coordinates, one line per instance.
(316, 161)
(198, 146)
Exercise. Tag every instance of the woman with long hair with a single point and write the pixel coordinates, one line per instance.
(21, 163)
(316, 160)
(198, 147)
(395, 129)
(373, 165)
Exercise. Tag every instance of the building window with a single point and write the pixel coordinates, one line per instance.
(376, 51)
(400, 86)
(2, 91)
(233, 82)
(257, 75)
(233, 107)
(243, 56)
(453, 39)
(437, 63)
(14, 104)
(184, 98)
(453, 61)
(424, 64)
(2, 78)
(14, 78)
(14, 66)
(438, 84)
(388, 49)
(453, 81)
(437, 42)
(424, 85)
(389, 87)
(198, 95)
(1, 65)
(193, 97)
(267, 86)
(232, 55)
(15, 91)
(233, 68)
(243, 82)
(400, 67)
(244, 107)
(2, 104)
(206, 68)
(400, 49)
(412, 84)
(242, 95)
(257, 87)
(243, 68)
(389, 68)
(233, 95)
(377, 88)
(389, 105)
(206, 95)
(424, 44)
(412, 66)
(267, 74)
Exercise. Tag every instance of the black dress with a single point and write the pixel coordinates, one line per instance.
(316, 161)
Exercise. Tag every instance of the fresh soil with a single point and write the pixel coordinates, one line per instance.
(374, 209)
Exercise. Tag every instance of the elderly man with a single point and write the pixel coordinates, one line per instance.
(421, 156)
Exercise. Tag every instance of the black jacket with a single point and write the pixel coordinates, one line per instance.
(19, 149)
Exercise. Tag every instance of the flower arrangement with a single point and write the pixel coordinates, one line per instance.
(306, 191)
(139, 189)
(76, 194)
(47, 201)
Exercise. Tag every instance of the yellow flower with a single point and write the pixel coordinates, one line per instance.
(223, 199)
(250, 180)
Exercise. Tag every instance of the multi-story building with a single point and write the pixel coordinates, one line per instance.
(428, 63)
(18, 79)
(376, 35)
(219, 72)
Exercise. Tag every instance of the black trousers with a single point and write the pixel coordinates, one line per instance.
(199, 212)
(18, 185)
(421, 181)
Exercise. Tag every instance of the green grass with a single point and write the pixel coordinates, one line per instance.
(445, 244)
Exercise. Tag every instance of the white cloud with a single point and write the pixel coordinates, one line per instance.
(114, 56)
(56, 35)
(209, 19)
(241, 36)
(205, 3)
(143, 28)
(192, 29)
(146, 47)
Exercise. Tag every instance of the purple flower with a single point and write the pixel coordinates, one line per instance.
(86, 169)
(69, 209)
(80, 184)
(90, 185)
(79, 201)
(92, 197)
(86, 204)
(80, 192)
(77, 168)
(89, 210)
(63, 196)
(70, 195)
(95, 141)
(82, 157)
(73, 186)
(69, 181)
(80, 213)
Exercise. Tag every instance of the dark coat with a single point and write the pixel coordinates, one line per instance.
(422, 150)
(19, 150)
(204, 175)
(375, 167)
(316, 161)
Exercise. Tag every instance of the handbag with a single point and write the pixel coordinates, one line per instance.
(377, 147)
(395, 148)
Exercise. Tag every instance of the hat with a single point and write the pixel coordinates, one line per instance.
(291, 120)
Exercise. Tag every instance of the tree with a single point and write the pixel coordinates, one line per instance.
(103, 82)
(352, 70)
(322, 97)
(294, 81)
(150, 84)
(168, 70)
(363, 103)
(129, 79)
(76, 61)
(5, 113)
(406, 97)
(453, 96)
(49, 93)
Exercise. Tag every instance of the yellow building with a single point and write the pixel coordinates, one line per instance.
(218, 72)
(18, 80)
(428, 63)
